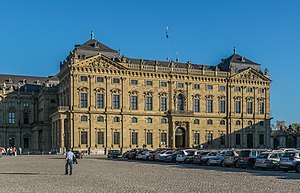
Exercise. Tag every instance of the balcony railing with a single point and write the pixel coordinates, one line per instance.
(63, 108)
(175, 112)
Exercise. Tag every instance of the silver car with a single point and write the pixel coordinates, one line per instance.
(290, 161)
(268, 160)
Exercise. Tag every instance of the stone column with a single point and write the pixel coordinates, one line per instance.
(62, 143)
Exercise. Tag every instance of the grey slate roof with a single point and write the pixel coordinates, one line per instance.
(238, 63)
(15, 79)
(94, 45)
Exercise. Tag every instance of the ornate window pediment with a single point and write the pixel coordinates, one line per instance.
(163, 94)
(115, 91)
(209, 97)
(148, 93)
(99, 90)
(196, 96)
(83, 89)
(134, 92)
(221, 97)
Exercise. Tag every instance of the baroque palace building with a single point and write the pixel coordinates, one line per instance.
(100, 100)
(107, 101)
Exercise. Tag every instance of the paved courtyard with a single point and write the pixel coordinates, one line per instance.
(98, 174)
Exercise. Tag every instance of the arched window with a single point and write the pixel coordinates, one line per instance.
(250, 123)
(83, 118)
(100, 119)
(134, 120)
(209, 122)
(116, 119)
(222, 122)
(164, 120)
(148, 120)
(196, 121)
(180, 102)
(238, 122)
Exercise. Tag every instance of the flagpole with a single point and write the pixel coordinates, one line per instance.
(167, 36)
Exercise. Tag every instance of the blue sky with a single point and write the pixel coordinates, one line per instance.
(36, 35)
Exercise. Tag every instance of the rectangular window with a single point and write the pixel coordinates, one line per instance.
(209, 138)
(180, 85)
(163, 84)
(197, 86)
(83, 100)
(116, 101)
(249, 107)
(249, 89)
(222, 139)
(163, 103)
(149, 104)
(237, 89)
(238, 139)
(149, 83)
(209, 106)
(11, 117)
(100, 137)
(25, 118)
(261, 90)
(163, 138)
(100, 79)
(25, 104)
(261, 107)
(100, 101)
(149, 138)
(222, 88)
(116, 80)
(134, 138)
(83, 137)
(133, 102)
(196, 138)
(196, 105)
(237, 106)
(134, 82)
(117, 138)
(83, 78)
(209, 87)
(261, 139)
(222, 106)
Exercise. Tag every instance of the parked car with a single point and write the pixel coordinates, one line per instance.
(231, 157)
(126, 154)
(114, 154)
(190, 156)
(247, 158)
(216, 160)
(165, 154)
(139, 153)
(157, 154)
(172, 157)
(182, 155)
(290, 161)
(198, 155)
(78, 154)
(133, 153)
(206, 157)
(268, 160)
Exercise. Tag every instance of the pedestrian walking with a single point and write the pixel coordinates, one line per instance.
(69, 161)
(20, 151)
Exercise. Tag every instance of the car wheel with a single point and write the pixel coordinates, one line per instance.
(298, 168)
(236, 165)
(285, 170)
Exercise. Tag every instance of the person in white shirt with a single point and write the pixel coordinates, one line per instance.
(69, 161)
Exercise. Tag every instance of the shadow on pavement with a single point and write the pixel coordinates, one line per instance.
(256, 172)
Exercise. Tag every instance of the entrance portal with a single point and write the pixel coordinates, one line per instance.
(180, 137)
(11, 142)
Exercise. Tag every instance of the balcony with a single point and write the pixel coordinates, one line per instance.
(63, 108)
(183, 113)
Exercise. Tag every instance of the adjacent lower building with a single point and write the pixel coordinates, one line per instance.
(107, 101)
(26, 103)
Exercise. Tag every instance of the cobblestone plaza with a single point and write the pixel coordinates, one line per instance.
(98, 174)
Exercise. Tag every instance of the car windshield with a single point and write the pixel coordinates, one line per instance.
(229, 153)
(264, 155)
(190, 153)
(213, 154)
(169, 152)
(204, 153)
(288, 155)
(244, 153)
